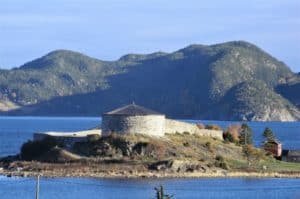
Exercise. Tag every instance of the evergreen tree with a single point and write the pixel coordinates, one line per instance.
(269, 138)
(268, 135)
(246, 135)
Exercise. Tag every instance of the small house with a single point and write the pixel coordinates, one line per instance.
(274, 147)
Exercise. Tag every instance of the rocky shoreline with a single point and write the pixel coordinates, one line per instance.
(149, 174)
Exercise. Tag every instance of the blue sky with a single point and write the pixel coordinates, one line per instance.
(112, 28)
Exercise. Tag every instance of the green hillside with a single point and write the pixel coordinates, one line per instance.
(198, 81)
(291, 90)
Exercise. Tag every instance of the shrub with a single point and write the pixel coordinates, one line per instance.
(234, 131)
(220, 158)
(209, 165)
(186, 144)
(186, 133)
(228, 137)
(140, 147)
(156, 150)
(224, 165)
(220, 162)
(32, 150)
(177, 133)
(213, 127)
(252, 154)
(118, 142)
(209, 146)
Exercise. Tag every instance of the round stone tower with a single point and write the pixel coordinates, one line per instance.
(133, 119)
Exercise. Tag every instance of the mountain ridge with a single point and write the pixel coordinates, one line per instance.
(187, 83)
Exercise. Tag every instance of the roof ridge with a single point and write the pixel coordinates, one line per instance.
(132, 109)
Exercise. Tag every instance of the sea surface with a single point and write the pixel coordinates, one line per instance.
(16, 130)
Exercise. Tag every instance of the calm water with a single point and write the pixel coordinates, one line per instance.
(16, 130)
(73, 188)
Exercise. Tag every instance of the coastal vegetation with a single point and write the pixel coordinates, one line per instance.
(33, 150)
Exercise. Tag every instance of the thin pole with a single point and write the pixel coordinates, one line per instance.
(161, 192)
(245, 137)
(37, 189)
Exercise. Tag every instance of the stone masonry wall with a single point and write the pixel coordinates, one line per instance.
(146, 124)
(174, 126)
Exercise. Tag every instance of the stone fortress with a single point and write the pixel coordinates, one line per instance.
(137, 119)
(131, 119)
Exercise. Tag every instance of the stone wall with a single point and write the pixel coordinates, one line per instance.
(154, 125)
(68, 139)
(174, 126)
(145, 124)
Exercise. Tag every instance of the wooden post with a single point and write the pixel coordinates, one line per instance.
(37, 188)
(158, 196)
(162, 192)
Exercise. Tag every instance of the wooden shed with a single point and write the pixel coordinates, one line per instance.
(291, 155)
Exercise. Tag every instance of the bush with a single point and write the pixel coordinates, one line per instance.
(32, 150)
(228, 137)
(220, 158)
(213, 127)
(252, 154)
(234, 131)
(177, 133)
(156, 150)
(220, 162)
(223, 165)
(209, 146)
(118, 142)
(186, 144)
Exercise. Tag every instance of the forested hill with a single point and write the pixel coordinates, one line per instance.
(229, 81)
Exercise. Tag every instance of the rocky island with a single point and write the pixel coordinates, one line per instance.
(183, 150)
(175, 155)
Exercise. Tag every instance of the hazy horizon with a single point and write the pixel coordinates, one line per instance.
(107, 30)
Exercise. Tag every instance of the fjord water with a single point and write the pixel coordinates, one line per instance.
(16, 130)
(82, 188)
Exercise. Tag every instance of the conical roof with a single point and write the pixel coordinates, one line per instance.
(132, 109)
